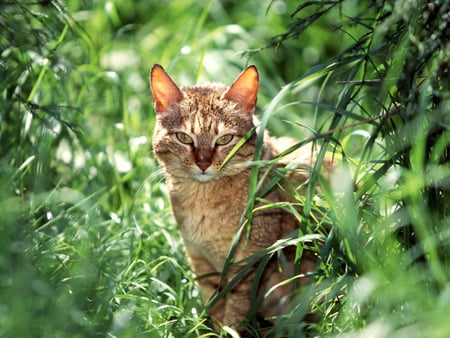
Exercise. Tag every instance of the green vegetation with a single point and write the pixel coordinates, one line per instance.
(88, 246)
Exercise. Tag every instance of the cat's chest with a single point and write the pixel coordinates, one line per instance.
(208, 215)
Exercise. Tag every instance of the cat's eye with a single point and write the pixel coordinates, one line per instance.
(225, 139)
(184, 138)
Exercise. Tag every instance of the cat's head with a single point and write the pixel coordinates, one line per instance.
(198, 126)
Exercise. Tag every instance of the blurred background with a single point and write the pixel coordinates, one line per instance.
(88, 246)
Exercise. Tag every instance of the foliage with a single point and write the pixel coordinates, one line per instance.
(394, 86)
(88, 245)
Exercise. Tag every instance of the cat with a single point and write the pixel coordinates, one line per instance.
(196, 128)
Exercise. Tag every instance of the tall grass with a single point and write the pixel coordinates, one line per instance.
(88, 244)
(388, 202)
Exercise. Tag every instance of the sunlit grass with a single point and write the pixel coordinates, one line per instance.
(88, 244)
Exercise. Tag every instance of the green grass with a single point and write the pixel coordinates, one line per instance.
(88, 245)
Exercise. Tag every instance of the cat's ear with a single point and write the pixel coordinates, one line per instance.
(244, 89)
(165, 91)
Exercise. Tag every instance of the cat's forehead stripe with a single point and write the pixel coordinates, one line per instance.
(197, 126)
(208, 124)
(204, 110)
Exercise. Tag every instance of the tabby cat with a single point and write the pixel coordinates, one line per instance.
(196, 128)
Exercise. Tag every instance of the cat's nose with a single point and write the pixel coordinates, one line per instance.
(203, 163)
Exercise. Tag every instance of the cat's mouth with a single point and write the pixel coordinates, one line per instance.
(203, 176)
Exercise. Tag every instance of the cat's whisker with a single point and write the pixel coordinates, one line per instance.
(177, 170)
(157, 174)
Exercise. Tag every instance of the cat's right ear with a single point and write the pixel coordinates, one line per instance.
(245, 89)
(165, 91)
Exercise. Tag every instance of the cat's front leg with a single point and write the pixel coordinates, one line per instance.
(237, 300)
(208, 281)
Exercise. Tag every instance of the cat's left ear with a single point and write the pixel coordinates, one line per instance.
(244, 89)
(165, 91)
